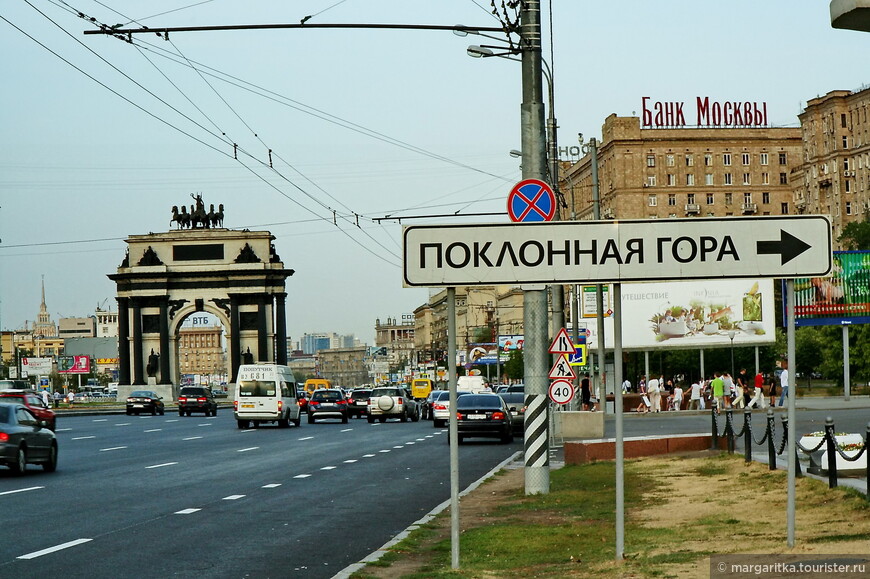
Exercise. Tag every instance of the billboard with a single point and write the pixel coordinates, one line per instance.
(36, 366)
(483, 353)
(74, 364)
(843, 298)
(691, 314)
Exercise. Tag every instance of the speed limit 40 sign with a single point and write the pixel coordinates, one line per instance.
(561, 391)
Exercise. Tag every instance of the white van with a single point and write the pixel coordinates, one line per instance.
(266, 393)
(473, 384)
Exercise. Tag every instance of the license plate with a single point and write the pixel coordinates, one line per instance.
(327, 405)
(476, 416)
(247, 405)
(137, 406)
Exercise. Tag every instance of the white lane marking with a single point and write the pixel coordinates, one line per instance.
(161, 465)
(410, 442)
(124, 424)
(99, 420)
(21, 490)
(206, 424)
(386, 450)
(81, 437)
(429, 435)
(233, 497)
(306, 438)
(247, 449)
(329, 468)
(112, 448)
(272, 486)
(399, 446)
(302, 476)
(187, 511)
(368, 455)
(250, 430)
(421, 440)
(173, 420)
(346, 430)
(63, 429)
(191, 438)
(153, 430)
(60, 547)
(351, 461)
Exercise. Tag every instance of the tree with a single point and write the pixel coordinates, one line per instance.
(514, 368)
(856, 235)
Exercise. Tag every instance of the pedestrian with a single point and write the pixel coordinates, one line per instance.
(70, 398)
(718, 388)
(737, 393)
(626, 386)
(727, 389)
(771, 390)
(695, 400)
(641, 385)
(57, 398)
(677, 397)
(783, 383)
(759, 398)
(586, 393)
(46, 399)
(743, 383)
(654, 394)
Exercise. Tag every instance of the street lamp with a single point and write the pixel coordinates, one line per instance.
(731, 334)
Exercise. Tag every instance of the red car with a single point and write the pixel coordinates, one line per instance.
(33, 402)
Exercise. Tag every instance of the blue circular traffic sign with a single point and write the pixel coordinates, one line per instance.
(531, 200)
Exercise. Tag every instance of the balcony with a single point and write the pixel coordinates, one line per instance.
(749, 207)
(607, 214)
(692, 209)
(848, 173)
(825, 182)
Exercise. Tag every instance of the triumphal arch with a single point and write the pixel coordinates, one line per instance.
(198, 267)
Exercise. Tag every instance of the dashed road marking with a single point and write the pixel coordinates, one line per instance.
(82, 437)
(191, 438)
(54, 549)
(247, 449)
(302, 476)
(329, 468)
(233, 497)
(162, 465)
(124, 424)
(369, 455)
(153, 430)
(306, 438)
(187, 511)
(112, 448)
(21, 490)
(99, 420)
(351, 461)
(272, 486)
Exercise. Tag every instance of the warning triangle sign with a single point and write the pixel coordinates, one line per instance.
(562, 344)
(562, 369)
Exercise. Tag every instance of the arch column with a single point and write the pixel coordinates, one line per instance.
(262, 331)
(138, 358)
(280, 329)
(123, 341)
(236, 338)
(165, 378)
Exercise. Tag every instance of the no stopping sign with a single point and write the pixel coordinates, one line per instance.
(561, 391)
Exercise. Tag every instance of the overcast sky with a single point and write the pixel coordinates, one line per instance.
(100, 138)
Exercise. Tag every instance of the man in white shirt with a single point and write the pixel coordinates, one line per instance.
(783, 384)
(654, 393)
(695, 396)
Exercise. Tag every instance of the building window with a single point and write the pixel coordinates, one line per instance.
(783, 179)
(690, 179)
(763, 158)
(670, 160)
(690, 160)
(672, 199)
(672, 180)
(690, 198)
(848, 186)
(765, 197)
(728, 178)
(708, 179)
(843, 120)
(651, 201)
(708, 160)
(765, 178)
(746, 179)
(726, 159)
(650, 180)
(745, 158)
(845, 142)
(747, 198)
(848, 208)
(728, 199)
(650, 160)
(845, 164)
(783, 159)
(709, 198)
(785, 208)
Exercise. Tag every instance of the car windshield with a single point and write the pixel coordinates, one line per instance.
(256, 388)
(327, 396)
(141, 394)
(386, 392)
(478, 401)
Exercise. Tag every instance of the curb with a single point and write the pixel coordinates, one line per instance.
(354, 567)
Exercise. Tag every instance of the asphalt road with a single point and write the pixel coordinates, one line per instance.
(166, 496)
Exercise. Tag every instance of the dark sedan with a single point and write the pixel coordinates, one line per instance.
(144, 401)
(516, 403)
(358, 402)
(25, 439)
(483, 415)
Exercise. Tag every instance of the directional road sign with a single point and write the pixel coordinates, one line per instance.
(561, 343)
(531, 200)
(617, 251)
(561, 391)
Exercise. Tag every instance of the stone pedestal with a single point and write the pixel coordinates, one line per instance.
(579, 424)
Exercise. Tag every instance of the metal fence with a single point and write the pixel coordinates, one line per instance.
(768, 440)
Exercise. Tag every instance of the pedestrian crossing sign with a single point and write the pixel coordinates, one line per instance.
(578, 358)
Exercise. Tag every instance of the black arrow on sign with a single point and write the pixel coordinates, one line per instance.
(788, 247)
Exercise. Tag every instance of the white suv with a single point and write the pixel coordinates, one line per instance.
(392, 402)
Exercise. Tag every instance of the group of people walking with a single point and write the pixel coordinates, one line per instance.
(721, 391)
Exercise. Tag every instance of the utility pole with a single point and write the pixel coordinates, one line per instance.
(535, 310)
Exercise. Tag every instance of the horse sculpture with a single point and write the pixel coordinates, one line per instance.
(217, 219)
(182, 219)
